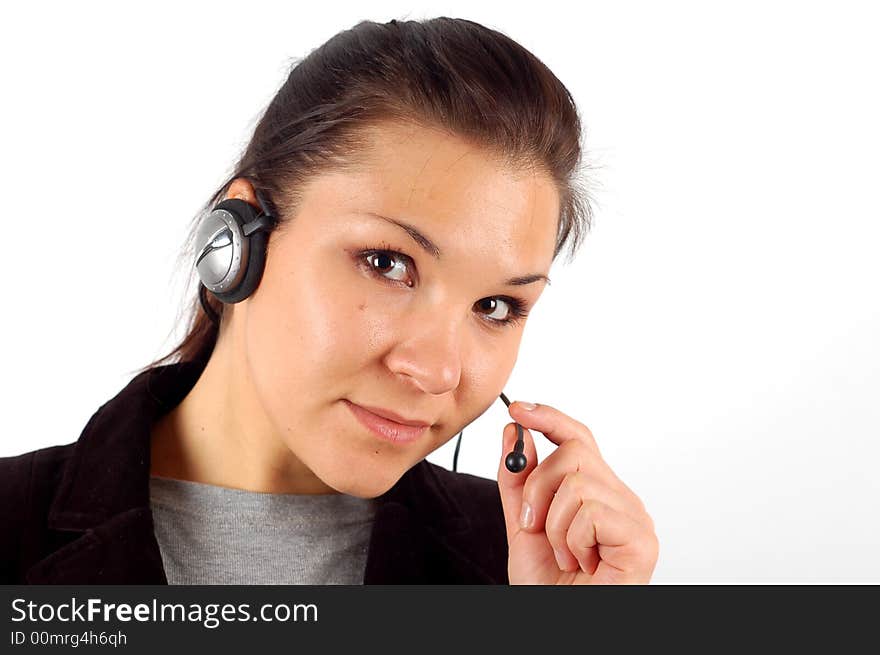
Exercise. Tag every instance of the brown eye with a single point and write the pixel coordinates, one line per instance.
(491, 305)
(387, 265)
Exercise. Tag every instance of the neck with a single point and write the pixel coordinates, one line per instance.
(220, 434)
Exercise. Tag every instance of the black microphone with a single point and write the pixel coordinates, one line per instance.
(516, 461)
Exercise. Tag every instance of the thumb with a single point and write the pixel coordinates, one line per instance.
(510, 485)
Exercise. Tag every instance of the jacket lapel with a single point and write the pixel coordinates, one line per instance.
(102, 502)
(122, 550)
(421, 535)
(405, 551)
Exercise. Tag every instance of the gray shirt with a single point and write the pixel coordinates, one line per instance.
(209, 534)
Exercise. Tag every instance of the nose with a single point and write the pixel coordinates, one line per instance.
(429, 353)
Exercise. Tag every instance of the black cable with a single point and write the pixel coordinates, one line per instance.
(518, 448)
(455, 456)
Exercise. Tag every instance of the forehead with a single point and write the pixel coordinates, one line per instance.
(462, 196)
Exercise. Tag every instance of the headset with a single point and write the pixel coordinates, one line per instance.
(231, 254)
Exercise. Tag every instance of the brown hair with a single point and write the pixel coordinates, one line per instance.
(448, 73)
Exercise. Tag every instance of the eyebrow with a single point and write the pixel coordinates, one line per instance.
(432, 249)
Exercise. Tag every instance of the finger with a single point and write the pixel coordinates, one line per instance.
(575, 488)
(593, 480)
(582, 541)
(623, 545)
(558, 427)
(563, 508)
(510, 485)
(553, 424)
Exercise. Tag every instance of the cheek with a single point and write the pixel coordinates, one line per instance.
(490, 373)
(305, 334)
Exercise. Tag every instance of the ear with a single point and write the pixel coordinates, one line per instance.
(242, 189)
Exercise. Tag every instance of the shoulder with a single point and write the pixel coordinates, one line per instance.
(42, 466)
(27, 485)
(470, 491)
(479, 501)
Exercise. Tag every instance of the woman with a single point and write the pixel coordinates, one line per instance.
(415, 182)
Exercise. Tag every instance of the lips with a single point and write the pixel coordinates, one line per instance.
(385, 428)
(397, 418)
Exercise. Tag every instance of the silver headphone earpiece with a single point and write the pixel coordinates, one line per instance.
(231, 249)
(223, 248)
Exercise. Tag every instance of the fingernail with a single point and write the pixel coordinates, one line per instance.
(561, 559)
(525, 405)
(527, 517)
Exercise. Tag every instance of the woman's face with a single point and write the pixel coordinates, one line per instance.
(431, 338)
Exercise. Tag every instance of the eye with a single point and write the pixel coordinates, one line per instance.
(513, 310)
(394, 262)
(393, 265)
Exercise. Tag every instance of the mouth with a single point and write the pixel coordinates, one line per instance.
(385, 428)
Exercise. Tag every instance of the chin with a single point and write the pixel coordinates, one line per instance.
(370, 483)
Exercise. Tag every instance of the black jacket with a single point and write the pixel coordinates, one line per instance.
(79, 513)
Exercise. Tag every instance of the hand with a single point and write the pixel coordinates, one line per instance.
(580, 508)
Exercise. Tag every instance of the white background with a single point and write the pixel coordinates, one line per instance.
(718, 331)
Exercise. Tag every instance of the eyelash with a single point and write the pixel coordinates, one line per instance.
(517, 307)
